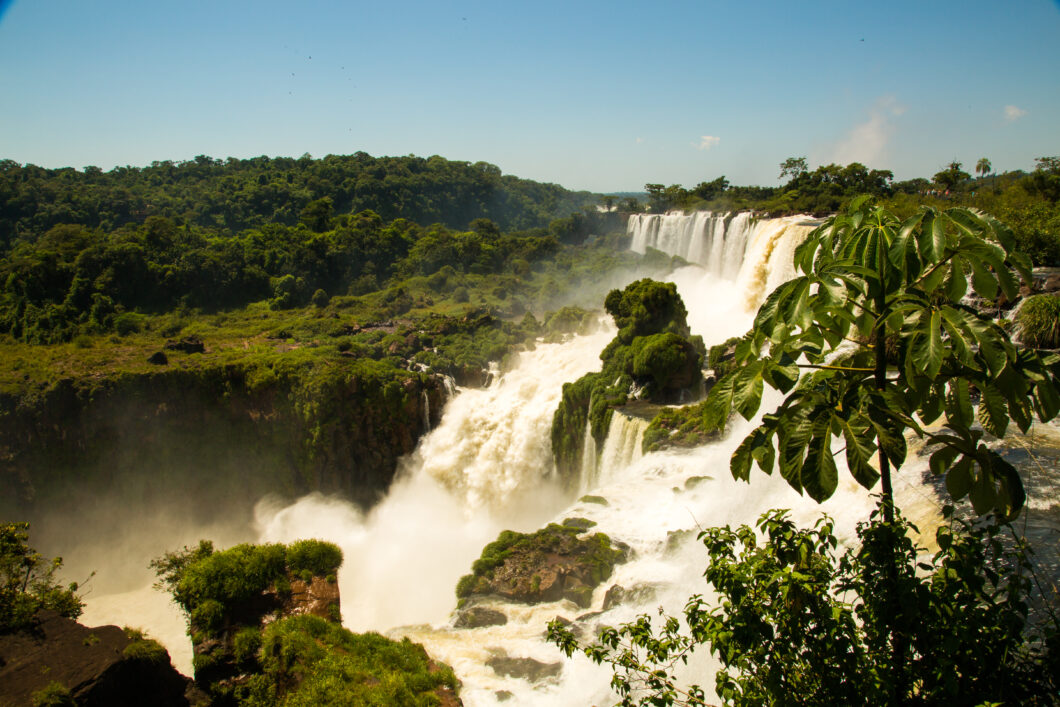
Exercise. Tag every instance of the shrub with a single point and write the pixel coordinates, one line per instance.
(54, 694)
(27, 582)
(796, 619)
(1038, 321)
(316, 556)
(144, 650)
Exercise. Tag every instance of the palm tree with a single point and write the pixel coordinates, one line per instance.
(983, 167)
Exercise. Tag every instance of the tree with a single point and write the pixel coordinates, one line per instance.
(711, 190)
(27, 582)
(873, 340)
(793, 167)
(983, 167)
(951, 177)
(1045, 179)
(797, 623)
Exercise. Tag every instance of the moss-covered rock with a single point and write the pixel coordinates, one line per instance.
(653, 356)
(553, 563)
(684, 427)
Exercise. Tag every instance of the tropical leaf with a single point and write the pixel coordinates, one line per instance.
(992, 411)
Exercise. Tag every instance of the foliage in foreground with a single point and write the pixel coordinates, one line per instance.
(872, 339)
(306, 660)
(27, 582)
(798, 623)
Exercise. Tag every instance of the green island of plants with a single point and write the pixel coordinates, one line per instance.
(555, 562)
(654, 353)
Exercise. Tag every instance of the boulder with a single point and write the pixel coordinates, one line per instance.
(527, 669)
(554, 563)
(479, 617)
(189, 344)
(96, 666)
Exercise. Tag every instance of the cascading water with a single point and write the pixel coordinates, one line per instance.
(487, 467)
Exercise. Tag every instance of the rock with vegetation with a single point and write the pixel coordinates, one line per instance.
(556, 562)
(302, 420)
(56, 661)
(264, 623)
(47, 658)
(654, 357)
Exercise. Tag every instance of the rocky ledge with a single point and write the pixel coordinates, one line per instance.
(56, 660)
(556, 562)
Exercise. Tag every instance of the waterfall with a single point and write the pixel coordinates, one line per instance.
(622, 446)
(736, 247)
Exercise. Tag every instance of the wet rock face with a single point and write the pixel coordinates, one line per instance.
(479, 617)
(97, 666)
(528, 669)
(554, 563)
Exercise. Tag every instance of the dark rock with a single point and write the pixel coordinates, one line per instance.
(694, 481)
(676, 538)
(189, 344)
(579, 523)
(96, 665)
(158, 358)
(503, 695)
(478, 617)
(524, 668)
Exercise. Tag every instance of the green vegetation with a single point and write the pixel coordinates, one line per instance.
(653, 352)
(212, 585)
(28, 584)
(144, 650)
(822, 338)
(313, 556)
(1038, 321)
(234, 195)
(54, 694)
(305, 660)
(796, 619)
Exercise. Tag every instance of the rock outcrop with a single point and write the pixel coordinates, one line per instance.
(556, 562)
(102, 666)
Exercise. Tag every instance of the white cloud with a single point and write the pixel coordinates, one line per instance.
(1013, 113)
(707, 141)
(866, 142)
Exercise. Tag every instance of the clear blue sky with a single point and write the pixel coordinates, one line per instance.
(592, 95)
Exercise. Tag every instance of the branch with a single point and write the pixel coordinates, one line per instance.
(835, 368)
(935, 267)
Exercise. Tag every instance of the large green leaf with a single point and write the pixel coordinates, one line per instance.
(959, 479)
(859, 452)
(992, 411)
(819, 475)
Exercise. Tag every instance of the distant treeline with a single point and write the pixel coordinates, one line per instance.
(233, 195)
(1027, 202)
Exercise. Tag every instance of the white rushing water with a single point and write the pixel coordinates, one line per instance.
(487, 466)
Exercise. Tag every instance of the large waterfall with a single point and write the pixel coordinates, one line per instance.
(487, 467)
